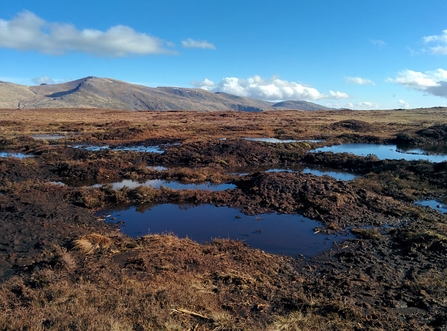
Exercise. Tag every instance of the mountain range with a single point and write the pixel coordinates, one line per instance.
(94, 92)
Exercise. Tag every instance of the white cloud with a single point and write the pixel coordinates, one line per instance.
(403, 104)
(378, 42)
(366, 105)
(338, 95)
(43, 80)
(30, 32)
(441, 43)
(431, 82)
(359, 81)
(191, 43)
(273, 89)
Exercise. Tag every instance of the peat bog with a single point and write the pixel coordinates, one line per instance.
(65, 264)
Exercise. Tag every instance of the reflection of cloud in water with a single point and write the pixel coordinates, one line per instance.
(390, 152)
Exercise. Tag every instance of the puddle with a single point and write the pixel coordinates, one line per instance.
(391, 152)
(157, 168)
(18, 155)
(158, 183)
(433, 204)
(49, 136)
(91, 148)
(279, 141)
(320, 171)
(139, 148)
(273, 233)
(338, 175)
(58, 183)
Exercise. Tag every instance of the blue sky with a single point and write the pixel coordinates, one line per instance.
(342, 53)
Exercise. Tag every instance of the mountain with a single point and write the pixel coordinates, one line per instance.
(93, 92)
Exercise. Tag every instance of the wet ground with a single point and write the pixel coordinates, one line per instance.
(390, 274)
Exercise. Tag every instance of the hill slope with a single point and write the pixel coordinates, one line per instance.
(93, 92)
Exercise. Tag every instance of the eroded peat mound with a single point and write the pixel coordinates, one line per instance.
(62, 267)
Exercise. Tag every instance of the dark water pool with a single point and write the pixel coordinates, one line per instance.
(392, 152)
(273, 233)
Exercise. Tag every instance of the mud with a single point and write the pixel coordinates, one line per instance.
(390, 277)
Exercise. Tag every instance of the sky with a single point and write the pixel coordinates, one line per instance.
(358, 54)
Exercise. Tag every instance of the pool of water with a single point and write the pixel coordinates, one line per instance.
(158, 183)
(433, 204)
(321, 171)
(279, 141)
(392, 152)
(157, 168)
(17, 155)
(423, 150)
(337, 174)
(273, 233)
(50, 136)
(140, 149)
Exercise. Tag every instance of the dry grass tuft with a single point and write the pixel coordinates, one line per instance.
(88, 244)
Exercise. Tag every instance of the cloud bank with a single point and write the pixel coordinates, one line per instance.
(273, 89)
(359, 81)
(431, 82)
(441, 43)
(43, 80)
(191, 43)
(403, 104)
(28, 32)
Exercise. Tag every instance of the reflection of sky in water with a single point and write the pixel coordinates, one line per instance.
(382, 152)
(48, 136)
(436, 149)
(140, 149)
(157, 168)
(157, 183)
(279, 141)
(279, 234)
(433, 204)
(18, 155)
(338, 175)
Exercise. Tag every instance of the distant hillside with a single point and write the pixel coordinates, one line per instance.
(93, 92)
(297, 104)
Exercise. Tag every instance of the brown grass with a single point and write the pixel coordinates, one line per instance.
(185, 125)
(88, 244)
